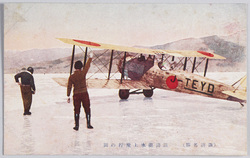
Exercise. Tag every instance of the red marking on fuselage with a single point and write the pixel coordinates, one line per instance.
(87, 43)
(172, 82)
(206, 53)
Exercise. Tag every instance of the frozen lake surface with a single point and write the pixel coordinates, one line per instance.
(169, 123)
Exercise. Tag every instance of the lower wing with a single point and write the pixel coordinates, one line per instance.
(109, 84)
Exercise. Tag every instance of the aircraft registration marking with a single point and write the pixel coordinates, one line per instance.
(199, 86)
(87, 43)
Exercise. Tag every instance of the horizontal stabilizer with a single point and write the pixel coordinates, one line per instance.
(240, 91)
(237, 94)
(109, 84)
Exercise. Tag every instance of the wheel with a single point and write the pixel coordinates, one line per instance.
(148, 92)
(124, 93)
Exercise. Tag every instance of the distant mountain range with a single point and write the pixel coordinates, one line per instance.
(57, 60)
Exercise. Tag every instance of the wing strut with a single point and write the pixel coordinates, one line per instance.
(194, 65)
(123, 66)
(110, 63)
(185, 64)
(205, 72)
(72, 59)
(172, 58)
(85, 56)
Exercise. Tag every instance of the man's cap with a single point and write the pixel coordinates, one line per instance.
(30, 69)
(78, 64)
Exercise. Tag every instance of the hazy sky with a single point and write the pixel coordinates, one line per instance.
(34, 25)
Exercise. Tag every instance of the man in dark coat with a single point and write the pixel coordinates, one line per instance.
(27, 87)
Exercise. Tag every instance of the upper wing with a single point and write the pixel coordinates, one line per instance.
(109, 84)
(178, 53)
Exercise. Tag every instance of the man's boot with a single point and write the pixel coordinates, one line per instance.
(76, 122)
(26, 112)
(88, 121)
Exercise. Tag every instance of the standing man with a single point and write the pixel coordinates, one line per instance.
(80, 93)
(28, 88)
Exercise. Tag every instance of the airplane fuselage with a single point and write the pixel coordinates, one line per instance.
(182, 81)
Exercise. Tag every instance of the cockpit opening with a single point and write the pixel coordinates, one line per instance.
(136, 67)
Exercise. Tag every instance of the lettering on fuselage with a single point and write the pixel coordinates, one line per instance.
(199, 86)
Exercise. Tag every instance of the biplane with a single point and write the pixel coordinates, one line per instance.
(141, 75)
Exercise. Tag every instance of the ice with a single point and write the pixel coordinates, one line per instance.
(169, 123)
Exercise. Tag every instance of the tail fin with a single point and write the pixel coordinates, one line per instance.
(240, 91)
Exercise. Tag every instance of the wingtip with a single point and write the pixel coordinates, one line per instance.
(220, 57)
(60, 38)
(65, 40)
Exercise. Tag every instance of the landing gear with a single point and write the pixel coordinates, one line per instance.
(124, 93)
(148, 92)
